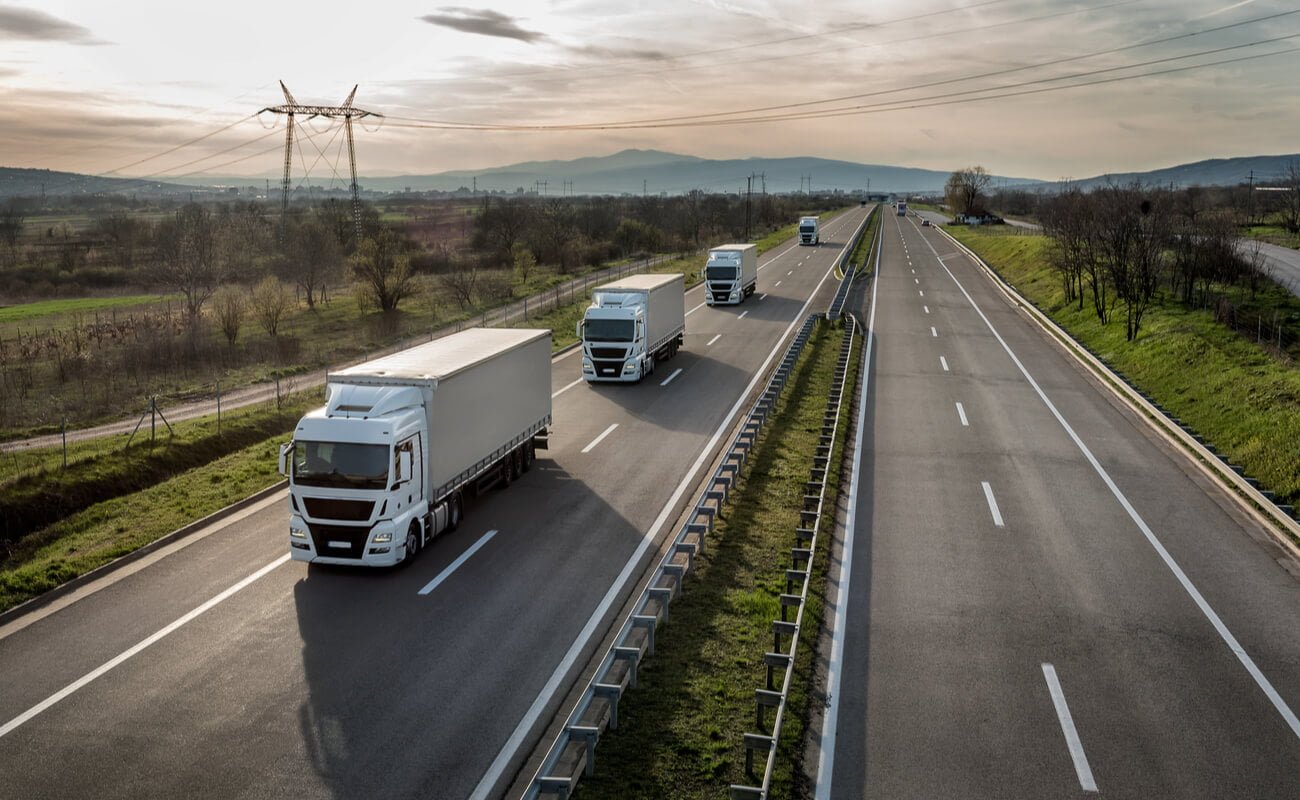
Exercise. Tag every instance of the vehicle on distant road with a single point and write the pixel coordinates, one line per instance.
(385, 465)
(901, 208)
(925, 223)
(632, 324)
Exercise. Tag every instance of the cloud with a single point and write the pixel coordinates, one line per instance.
(484, 22)
(25, 24)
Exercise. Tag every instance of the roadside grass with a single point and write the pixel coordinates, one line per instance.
(681, 730)
(49, 311)
(1241, 397)
(858, 259)
(111, 529)
(1274, 234)
(41, 492)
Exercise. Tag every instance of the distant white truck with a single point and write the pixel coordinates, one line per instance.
(809, 231)
(401, 441)
(730, 274)
(632, 324)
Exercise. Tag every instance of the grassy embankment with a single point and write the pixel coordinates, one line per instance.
(681, 730)
(1241, 397)
(188, 477)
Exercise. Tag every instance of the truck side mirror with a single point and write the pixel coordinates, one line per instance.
(283, 465)
(577, 330)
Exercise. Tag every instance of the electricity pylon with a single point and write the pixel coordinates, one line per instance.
(347, 112)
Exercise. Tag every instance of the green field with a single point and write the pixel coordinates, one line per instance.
(43, 312)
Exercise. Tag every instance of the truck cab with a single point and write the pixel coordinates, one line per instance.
(730, 274)
(356, 477)
(809, 231)
(614, 338)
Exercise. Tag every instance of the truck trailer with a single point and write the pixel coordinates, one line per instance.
(630, 325)
(386, 464)
(809, 231)
(731, 274)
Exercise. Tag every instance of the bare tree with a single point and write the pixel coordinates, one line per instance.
(461, 280)
(555, 229)
(384, 270)
(12, 220)
(502, 225)
(124, 235)
(187, 255)
(271, 300)
(1291, 197)
(524, 262)
(964, 187)
(311, 257)
(228, 307)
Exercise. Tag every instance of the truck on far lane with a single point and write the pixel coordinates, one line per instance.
(632, 324)
(809, 231)
(386, 464)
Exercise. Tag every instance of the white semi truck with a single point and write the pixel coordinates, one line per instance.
(630, 325)
(731, 273)
(401, 441)
(809, 231)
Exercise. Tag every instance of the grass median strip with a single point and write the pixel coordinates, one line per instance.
(681, 731)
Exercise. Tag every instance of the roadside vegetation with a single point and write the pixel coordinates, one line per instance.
(169, 299)
(681, 730)
(1233, 384)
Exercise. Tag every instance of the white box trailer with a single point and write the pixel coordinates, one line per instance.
(385, 464)
(731, 273)
(632, 324)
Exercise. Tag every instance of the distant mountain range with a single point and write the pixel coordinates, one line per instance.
(652, 172)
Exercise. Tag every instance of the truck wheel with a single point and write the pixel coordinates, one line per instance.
(530, 454)
(412, 542)
(517, 462)
(455, 510)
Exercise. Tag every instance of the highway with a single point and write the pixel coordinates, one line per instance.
(217, 668)
(1044, 597)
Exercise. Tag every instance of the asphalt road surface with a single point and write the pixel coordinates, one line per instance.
(1045, 599)
(216, 668)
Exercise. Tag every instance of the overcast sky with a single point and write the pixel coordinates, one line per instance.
(92, 87)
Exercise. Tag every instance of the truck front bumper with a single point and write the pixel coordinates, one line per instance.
(345, 545)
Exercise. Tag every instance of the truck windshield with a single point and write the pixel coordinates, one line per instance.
(720, 273)
(807, 228)
(341, 465)
(608, 330)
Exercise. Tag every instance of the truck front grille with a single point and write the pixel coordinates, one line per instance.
(347, 510)
(609, 352)
(339, 541)
(721, 296)
(608, 369)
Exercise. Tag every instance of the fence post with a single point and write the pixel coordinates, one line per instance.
(153, 409)
(218, 408)
(64, 430)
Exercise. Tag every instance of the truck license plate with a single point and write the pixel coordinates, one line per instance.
(342, 545)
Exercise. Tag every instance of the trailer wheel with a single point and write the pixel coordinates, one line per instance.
(412, 542)
(508, 470)
(455, 510)
(517, 462)
(530, 454)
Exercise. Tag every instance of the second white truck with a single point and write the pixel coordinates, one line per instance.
(731, 274)
(809, 231)
(630, 325)
(402, 440)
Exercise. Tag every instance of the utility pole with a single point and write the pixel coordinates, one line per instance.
(749, 191)
(643, 185)
(1250, 200)
(474, 191)
(346, 112)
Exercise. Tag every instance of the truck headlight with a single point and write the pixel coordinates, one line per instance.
(297, 532)
(629, 367)
(383, 538)
(587, 366)
(735, 295)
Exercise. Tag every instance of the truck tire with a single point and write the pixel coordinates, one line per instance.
(455, 510)
(412, 542)
(530, 454)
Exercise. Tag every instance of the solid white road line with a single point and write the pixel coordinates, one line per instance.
(710, 342)
(526, 723)
(961, 412)
(1283, 709)
(993, 504)
(693, 310)
(669, 379)
(453, 566)
(1081, 767)
(144, 644)
(599, 438)
(943, 362)
(837, 609)
(933, 332)
(566, 388)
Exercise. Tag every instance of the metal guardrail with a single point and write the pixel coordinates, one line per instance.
(799, 574)
(572, 754)
(837, 303)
